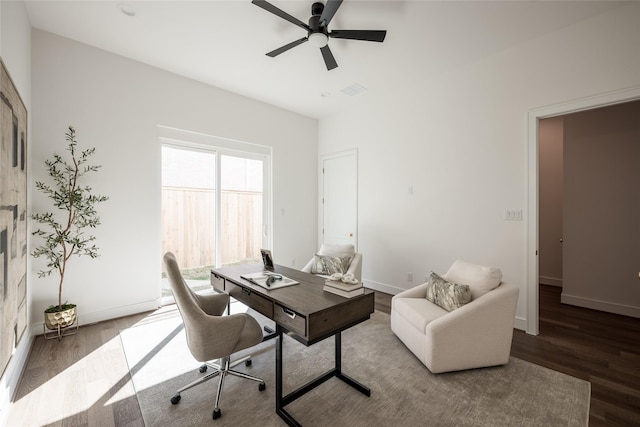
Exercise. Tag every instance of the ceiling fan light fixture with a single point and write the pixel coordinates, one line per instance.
(318, 39)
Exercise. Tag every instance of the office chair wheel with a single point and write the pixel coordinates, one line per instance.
(247, 362)
(203, 369)
(175, 399)
(216, 413)
(262, 386)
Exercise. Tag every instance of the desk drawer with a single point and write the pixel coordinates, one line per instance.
(250, 298)
(217, 283)
(290, 320)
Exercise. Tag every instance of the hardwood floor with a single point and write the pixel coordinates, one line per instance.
(599, 347)
(84, 380)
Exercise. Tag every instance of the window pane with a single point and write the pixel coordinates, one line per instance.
(241, 210)
(188, 212)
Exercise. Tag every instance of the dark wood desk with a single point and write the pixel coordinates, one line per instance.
(303, 311)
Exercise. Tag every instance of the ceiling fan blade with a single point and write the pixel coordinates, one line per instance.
(286, 47)
(282, 14)
(329, 60)
(329, 10)
(367, 35)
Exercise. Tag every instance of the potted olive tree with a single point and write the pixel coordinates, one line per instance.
(63, 230)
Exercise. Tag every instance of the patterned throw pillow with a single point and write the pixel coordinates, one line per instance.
(446, 294)
(328, 265)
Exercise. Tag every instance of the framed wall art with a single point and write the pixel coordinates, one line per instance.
(13, 217)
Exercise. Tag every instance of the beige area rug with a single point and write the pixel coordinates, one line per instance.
(403, 391)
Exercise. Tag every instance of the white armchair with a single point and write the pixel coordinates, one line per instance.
(478, 334)
(355, 267)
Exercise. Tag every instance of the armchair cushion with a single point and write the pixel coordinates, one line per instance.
(328, 265)
(445, 294)
(479, 278)
(418, 312)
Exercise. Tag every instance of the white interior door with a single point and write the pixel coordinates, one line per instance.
(340, 198)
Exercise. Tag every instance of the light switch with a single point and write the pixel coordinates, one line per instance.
(513, 215)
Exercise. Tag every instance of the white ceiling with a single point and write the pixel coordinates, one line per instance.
(223, 43)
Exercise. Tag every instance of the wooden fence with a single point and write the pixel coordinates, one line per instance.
(189, 231)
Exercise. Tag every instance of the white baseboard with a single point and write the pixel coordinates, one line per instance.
(610, 307)
(12, 374)
(102, 315)
(520, 324)
(551, 281)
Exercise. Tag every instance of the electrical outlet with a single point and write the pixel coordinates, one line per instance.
(410, 277)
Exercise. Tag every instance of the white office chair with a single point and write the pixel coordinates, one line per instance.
(210, 335)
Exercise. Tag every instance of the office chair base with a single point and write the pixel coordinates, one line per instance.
(205, 366)
(226, 370)
(222, 372)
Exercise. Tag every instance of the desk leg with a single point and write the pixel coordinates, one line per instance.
(287, 418)
(282, 401)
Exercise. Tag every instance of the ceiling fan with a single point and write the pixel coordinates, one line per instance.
(318, 33)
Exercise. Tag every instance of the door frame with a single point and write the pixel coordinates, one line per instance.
(531, 325)
(352, 152)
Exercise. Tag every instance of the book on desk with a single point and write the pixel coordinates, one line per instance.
(343, 289)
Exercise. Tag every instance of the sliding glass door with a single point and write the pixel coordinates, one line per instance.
(214, 209)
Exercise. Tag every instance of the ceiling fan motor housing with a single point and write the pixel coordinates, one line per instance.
(317, 8)
(318, 35)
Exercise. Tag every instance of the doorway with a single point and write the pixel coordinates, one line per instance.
(215, 208)
(596, 202)
(533, 245)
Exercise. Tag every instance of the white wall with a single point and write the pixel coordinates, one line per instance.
(116, 105)
(15, 51)
(460, 140)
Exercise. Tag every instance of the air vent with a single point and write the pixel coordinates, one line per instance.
(353, 89)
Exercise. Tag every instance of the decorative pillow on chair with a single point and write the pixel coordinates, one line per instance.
(328, 265)
(445, 294)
